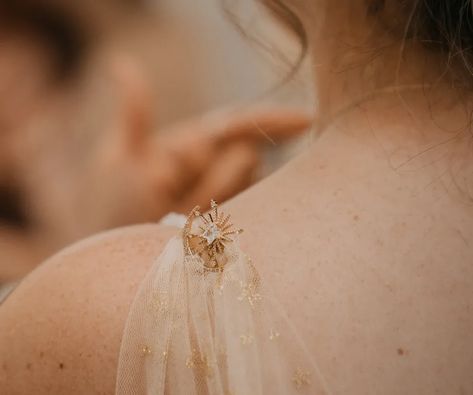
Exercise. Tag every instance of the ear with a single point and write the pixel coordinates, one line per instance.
(134, 103)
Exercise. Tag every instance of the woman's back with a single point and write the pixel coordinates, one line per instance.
(372, 260)
(372, 264)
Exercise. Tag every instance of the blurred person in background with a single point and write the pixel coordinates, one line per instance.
(78, 152)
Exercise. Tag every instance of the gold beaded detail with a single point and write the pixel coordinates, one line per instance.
(145, 351)
(199, 363)
(214, 232)
(301, 378)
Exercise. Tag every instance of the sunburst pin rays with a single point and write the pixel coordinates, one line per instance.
(215, 231)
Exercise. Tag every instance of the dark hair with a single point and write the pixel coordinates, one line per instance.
(289, 19)
(53, 27)
(446, 26)
(442, 25)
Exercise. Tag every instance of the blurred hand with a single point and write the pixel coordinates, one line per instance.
(139, 177)
(218, 156)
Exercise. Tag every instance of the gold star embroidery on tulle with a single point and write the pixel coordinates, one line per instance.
(145, 351)
(199, 363)
(273, 334)
(165, 356)
(249, 292)
(215, 232)
(301, 378)
(246, 339)
(159, 303)
(191, 360)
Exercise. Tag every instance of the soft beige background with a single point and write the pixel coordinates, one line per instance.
(200, 60)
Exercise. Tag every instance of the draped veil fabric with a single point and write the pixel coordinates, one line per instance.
(191, 331)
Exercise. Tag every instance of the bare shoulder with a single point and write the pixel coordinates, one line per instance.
(60, 331)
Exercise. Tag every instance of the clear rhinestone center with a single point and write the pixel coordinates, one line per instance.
(211, 234)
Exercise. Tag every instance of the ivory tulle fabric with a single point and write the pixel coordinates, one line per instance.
(195, 332)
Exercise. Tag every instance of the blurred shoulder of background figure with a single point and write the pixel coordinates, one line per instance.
(83, 88)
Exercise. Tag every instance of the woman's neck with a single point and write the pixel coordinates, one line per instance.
(354, 59)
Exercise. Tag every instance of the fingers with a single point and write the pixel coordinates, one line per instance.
(261, 126)
(233, 170)
(190, 158)
(271, 126)
(216, 157)
(194, 147)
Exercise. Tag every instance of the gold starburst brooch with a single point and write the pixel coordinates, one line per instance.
(214, 231)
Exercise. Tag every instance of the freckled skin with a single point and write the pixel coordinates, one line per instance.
(383, 303)
(60, 331)
(382, 297)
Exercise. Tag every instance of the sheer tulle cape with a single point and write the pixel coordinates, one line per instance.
(195, 332)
